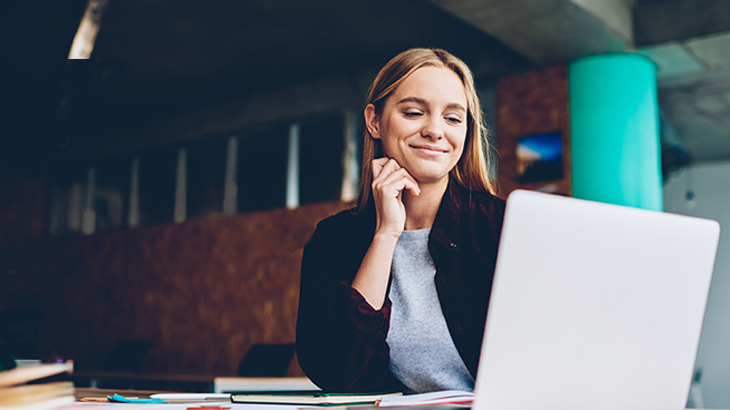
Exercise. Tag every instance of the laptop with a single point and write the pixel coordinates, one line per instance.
(594, 306)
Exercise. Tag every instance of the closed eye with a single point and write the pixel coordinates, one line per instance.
(412, 114)
(454, 120)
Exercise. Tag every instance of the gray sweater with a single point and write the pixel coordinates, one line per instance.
(422, 354)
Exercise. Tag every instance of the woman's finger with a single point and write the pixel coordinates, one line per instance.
(378, 165)
(384, 166)
(412, 186)
(398, 180)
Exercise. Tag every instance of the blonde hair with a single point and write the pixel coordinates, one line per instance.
(472, 169)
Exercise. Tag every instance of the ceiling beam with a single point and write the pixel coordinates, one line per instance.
(675, 20)
(258, 111)
(551, 31)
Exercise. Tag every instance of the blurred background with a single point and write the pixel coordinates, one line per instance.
(155, 197)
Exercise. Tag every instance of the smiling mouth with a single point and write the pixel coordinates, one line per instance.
(428, 149)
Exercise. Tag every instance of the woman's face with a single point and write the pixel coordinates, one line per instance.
(423, 124)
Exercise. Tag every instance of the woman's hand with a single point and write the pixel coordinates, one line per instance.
(389, 181)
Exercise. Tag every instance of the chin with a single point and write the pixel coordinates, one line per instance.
(429, 178)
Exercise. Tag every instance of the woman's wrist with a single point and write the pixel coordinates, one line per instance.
(384, 236)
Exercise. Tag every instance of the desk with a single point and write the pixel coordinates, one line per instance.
(94, 392)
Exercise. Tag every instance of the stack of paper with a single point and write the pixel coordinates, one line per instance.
(309, 398)
(450, 397)
(16, 394)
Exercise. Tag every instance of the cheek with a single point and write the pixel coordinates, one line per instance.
(460, 150)
(393, 127)
(459, 141)
(392, 131)
(401, 127)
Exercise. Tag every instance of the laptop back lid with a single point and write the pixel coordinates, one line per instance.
(594, 306)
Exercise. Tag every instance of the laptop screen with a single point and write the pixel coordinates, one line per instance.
(594, 306)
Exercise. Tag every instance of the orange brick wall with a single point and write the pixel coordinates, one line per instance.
(203, 291)
(531, 103)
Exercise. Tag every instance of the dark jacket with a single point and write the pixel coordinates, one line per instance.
(341, 338)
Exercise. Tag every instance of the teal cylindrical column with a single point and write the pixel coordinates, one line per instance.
(614, 127)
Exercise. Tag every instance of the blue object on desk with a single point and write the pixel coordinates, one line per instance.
(121, 399)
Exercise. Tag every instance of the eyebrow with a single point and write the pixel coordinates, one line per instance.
(423, 102)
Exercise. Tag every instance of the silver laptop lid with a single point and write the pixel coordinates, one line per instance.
(594, 306)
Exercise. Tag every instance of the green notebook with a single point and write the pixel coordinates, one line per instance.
(315, 397)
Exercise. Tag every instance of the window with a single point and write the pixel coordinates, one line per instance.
(321, 144)
(262, 162)
(206, 160)
(157, 176)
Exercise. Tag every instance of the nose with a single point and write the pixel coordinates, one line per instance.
(432, 128)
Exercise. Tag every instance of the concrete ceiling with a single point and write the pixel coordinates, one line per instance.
(164, 58)
(159, 58)
(694, 92)
(230, 49)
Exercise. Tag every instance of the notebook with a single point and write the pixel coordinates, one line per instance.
(594, 306)
(310, 398)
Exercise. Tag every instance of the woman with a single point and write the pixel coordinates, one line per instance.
(394, 294)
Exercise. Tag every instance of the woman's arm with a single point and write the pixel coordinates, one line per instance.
(389, 181)
(340, 337)
(341, 328)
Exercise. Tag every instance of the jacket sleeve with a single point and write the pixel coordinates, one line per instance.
(340, 338)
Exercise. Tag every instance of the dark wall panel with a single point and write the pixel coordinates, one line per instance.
(22, 204)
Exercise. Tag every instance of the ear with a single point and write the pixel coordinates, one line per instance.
(372, 121)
